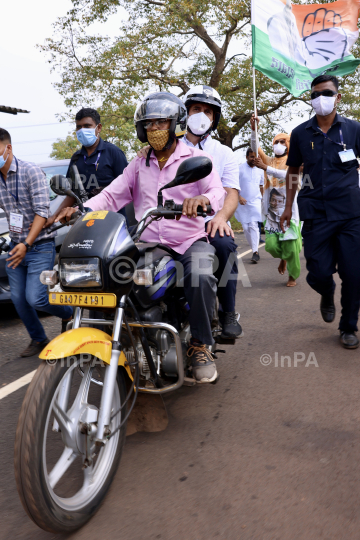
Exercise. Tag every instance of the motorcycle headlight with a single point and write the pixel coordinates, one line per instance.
(80, 273)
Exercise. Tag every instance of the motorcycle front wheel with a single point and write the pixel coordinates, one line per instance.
(62, 476)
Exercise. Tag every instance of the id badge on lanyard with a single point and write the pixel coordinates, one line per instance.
(345, 155)
(16, 222)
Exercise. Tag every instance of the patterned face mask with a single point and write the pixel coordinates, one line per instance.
(158, 139)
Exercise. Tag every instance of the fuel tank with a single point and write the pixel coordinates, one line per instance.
(164, 277)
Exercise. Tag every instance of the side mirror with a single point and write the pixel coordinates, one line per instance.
(191, 170)
(76, 183)
(60, 185)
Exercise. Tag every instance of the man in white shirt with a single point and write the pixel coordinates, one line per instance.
(204, 110)
(249, 209)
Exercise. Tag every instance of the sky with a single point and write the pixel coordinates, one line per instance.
(27, 82)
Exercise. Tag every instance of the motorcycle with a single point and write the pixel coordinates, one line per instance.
(73, 420)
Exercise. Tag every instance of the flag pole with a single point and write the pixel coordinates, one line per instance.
(255, 112)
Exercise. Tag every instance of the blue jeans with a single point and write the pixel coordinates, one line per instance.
(29, 294)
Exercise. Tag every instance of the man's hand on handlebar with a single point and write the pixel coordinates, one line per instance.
(65, 215)
(190, 205)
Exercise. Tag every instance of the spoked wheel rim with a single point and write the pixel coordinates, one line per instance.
(74, 444)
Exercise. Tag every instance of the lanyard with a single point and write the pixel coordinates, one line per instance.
(96, 162)
(16, 197)
(341, 138)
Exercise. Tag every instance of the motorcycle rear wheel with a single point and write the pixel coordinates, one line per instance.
(48, 470)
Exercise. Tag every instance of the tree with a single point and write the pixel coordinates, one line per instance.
(171, 45)
(64, 148)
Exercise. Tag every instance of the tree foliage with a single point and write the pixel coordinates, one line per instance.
(171, 45)
(64, 148)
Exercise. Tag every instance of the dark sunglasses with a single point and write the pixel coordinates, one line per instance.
(327, 93)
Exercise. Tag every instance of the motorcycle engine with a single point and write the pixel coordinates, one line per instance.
(143, 363)
(164, 358)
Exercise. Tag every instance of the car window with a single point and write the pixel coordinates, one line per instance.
(50, 172)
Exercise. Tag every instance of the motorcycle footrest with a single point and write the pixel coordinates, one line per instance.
(189, 381)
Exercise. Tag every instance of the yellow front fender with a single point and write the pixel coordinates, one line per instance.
(82, 341)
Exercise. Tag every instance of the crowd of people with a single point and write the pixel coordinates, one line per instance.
(265, 191)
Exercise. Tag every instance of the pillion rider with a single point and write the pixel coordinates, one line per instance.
(156, 119)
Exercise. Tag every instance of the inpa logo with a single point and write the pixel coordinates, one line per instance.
(208, 92)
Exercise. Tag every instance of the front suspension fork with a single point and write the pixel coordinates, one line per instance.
(110, 377)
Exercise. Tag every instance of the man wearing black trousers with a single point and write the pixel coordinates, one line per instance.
(329, 203)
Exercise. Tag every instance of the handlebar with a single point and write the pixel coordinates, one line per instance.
(178, 208)
(169, 211)
(73, 220)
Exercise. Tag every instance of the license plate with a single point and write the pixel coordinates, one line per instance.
(83, 300)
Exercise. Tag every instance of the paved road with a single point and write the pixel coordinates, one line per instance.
(269, 453)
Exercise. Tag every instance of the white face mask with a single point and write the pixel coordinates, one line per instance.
(199, 123)
(323, 105)
(279, 149)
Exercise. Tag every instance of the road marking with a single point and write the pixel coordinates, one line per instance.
(19, 383)
(26, 379)
(247, 252)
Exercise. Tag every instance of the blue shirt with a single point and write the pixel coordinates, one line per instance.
(98, 170)
(330, 188)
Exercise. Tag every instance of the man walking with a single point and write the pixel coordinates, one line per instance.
(329, 203)
(248, 211)
(24, 197)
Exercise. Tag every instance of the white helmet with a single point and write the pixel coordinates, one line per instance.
(205, 94)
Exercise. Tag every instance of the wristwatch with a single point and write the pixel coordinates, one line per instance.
(28, 247)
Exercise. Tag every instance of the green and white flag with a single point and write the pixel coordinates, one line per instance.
(293, 44)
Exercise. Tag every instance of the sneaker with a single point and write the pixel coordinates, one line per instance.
(261, 241)
(202, 363)
(34, 347)
(349, 340)
(230, 326)
(255, 258)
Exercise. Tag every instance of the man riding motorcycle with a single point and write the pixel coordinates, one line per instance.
(156, 119)
(204, 105)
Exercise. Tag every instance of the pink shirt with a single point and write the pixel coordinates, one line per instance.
(141, 184)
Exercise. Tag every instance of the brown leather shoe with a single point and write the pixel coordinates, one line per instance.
(34, 348)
